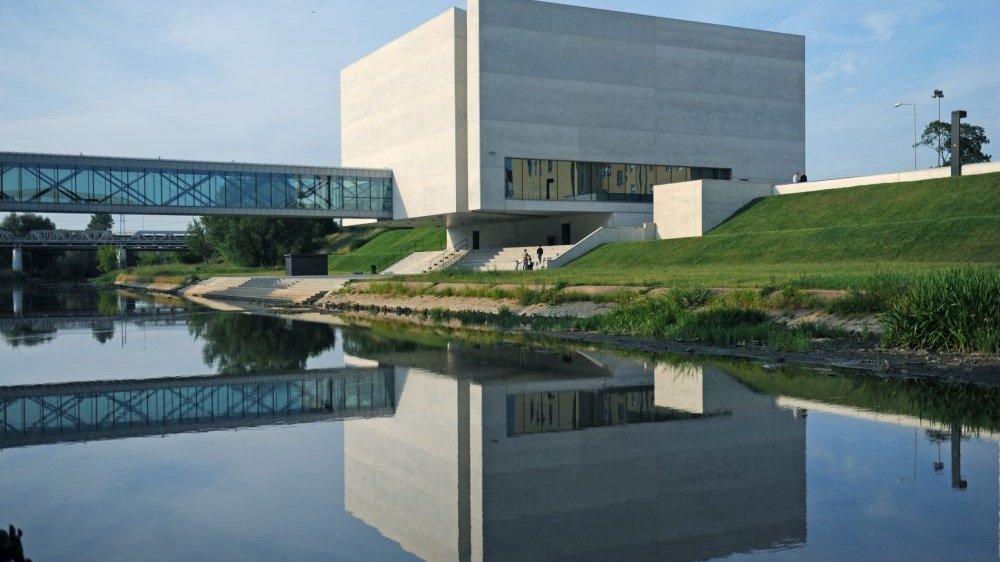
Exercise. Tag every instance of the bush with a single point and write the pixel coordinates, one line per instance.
(954, 310)
(876, 294)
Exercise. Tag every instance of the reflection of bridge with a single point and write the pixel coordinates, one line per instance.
(87, 184)
(34, 415)
(89, 320)
(74, 239)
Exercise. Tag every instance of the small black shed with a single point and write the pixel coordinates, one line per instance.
(306, 264)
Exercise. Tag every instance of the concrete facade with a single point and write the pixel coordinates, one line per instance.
(566, 83)
(446, 104)
(689, 209)
(403, 106)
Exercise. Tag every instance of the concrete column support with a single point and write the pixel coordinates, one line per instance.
(18, 260)
(122, 257)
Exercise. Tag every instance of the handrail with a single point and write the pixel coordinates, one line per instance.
(464, 244)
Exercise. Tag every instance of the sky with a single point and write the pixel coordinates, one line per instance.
(258, 81)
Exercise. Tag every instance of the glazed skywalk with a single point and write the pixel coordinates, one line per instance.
(91, 184)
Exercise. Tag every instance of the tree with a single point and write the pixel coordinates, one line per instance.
(107, 258)
(262, 241)
(972, 137)
(40, 261)
(20, 225)
(199, 247)
(101, 221)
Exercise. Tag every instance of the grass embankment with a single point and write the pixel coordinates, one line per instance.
(388, 248)
(827, 239)
(179, 273)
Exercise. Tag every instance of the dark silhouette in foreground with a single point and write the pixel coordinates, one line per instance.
(11, 549)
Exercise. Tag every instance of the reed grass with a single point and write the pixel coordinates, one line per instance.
(953, 310)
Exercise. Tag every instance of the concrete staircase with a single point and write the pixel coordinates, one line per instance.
(505, 259)
(424, 262)
(275, 291)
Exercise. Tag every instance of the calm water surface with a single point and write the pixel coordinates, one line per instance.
(141, 429)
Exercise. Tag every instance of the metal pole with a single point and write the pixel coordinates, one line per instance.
(914, 104)
(939, 130)
(938, 94)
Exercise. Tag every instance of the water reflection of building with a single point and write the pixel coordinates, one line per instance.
(607, 459)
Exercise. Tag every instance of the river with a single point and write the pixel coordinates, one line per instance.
(147, 428)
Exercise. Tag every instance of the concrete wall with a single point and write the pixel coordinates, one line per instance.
(896, 177)
(560, 82)
(687, 209)
(602, 236)
(404, 107)
(532, 232)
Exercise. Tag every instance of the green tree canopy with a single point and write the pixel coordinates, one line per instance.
(25, 223)
(973, 138)
(101, 221)
(262, 241)
(199, 247)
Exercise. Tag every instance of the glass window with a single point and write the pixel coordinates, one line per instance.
(217, 188)
(102, 185)
(10, 183)
(80, 185)
(307, 192)
(337, 193)
(248, 190)
(538, 179)
(201, 195)
(47, 180)
(232, 191)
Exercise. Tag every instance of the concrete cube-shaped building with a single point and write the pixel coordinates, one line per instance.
(522, 122)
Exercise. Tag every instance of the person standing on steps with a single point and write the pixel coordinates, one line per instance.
(539, 251)
(795, 178)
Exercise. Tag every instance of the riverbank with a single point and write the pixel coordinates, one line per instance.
(770, 326)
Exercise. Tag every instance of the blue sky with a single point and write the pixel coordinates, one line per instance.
(259, 81)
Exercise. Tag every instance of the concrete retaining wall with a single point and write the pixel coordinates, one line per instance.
(604, 236)
(897, 177)
(692, 208)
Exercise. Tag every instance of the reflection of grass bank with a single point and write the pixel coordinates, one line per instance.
(974, 407)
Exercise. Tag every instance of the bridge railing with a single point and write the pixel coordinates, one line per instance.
(92, 238)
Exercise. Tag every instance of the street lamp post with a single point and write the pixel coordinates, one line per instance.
(900, 104)
(938, 94)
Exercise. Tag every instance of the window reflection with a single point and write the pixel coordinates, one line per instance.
(563, 180)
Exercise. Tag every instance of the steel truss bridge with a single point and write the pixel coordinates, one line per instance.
(57, 413)
(76, 239)
(91, 184)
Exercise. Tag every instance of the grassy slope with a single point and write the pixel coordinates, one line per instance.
(387, 248)
(824, 239)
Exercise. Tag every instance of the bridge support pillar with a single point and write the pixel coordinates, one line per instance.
(18, 302)
(122, 257)
(18, 260)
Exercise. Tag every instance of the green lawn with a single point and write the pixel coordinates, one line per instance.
(829, 239)
(388, 248)
(180, 272)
